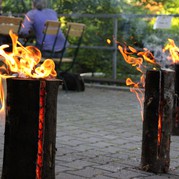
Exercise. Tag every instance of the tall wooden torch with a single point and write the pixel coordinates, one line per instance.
(157, 124)
(30, 129)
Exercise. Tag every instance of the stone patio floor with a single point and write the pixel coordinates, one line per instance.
(99, 136)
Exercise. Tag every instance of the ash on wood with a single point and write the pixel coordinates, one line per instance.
(157, 124)
(21, 143)
(175, 121)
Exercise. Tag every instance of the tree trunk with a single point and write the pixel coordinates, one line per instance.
(23, 113)
(158, 112)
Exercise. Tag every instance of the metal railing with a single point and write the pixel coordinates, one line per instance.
(115, 18)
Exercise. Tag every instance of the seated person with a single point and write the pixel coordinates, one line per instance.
(34, 21)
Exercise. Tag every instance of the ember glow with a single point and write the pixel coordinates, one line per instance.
(159, 129)
(22, 62)
(40, 132)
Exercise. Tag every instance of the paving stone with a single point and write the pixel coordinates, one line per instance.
(110, 149)
(78, 164)
(112, 167)
(102, 159)
(93, 139)
(99, 136)
(70, 157)
(74, 142)
(90, 172)
(93, 153)
(126, 174)
(159, 177)
(100, 144)
(67, 176)
(64, 149)
(119, 141)
(59, 169)
(102, 177)
(83, 148)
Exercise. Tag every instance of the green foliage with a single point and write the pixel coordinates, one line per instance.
(85, 7)
(134, 31)
(16, 6)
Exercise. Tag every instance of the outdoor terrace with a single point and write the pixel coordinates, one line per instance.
(99, 136)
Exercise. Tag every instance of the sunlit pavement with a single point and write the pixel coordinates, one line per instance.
(99, 136)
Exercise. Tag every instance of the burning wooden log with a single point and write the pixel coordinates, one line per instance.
(158, 111)
(30, 129)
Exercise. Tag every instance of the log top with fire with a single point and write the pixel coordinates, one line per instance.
(30, 124)
(24, 62)
(145, 60)
(159, 104)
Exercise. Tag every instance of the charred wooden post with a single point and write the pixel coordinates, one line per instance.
(175, 121)
(158, 111)
(30, 129)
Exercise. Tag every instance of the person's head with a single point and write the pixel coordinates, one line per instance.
(39, 4)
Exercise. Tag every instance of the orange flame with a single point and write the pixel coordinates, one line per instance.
(23, 62)
(159, 129)
(136, 59)
(137, 91)
(2, 97)
(173, 51)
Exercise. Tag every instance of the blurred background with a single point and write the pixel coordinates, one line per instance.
(129, 22)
